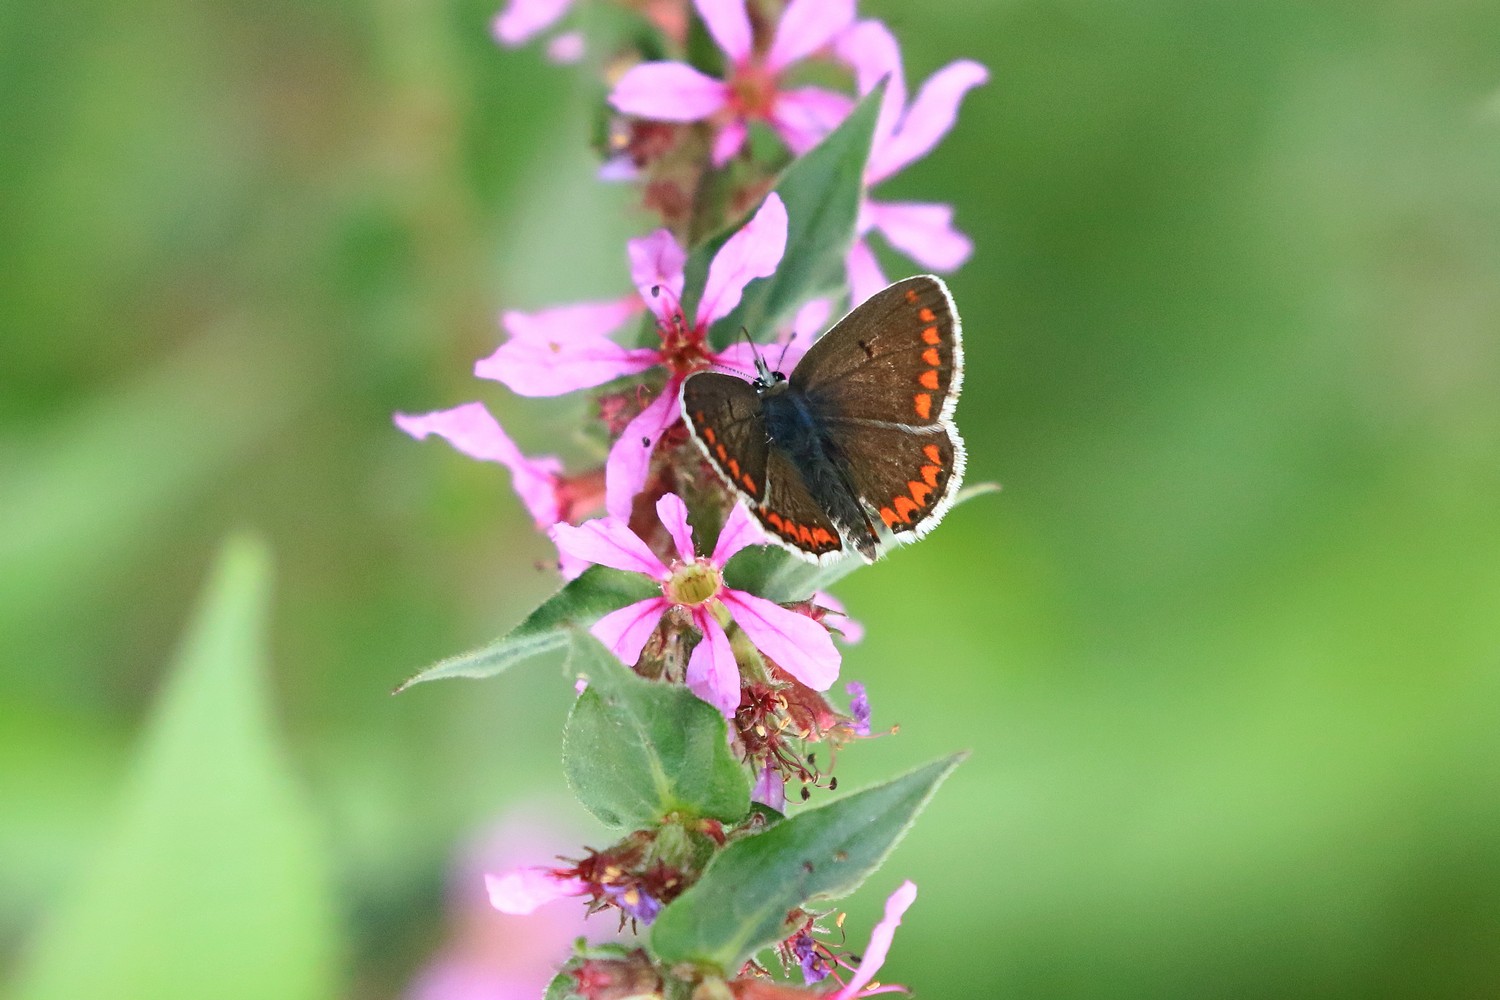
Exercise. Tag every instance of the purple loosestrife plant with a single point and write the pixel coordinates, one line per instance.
(703, 656)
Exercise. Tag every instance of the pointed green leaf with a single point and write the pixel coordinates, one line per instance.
(740, 904)
(635, 750)
(583, 601)
(822, 191)
(211, 883)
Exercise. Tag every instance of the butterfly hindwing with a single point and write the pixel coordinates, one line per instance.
(725, 415)
(897, 358)
(907, 478)
(791, 514)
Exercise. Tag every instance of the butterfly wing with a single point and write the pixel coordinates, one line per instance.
(725, 415)
(908, 478)
(897, 358)
(729, 426)
(885, 381)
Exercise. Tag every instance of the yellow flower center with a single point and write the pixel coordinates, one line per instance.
(692, 583)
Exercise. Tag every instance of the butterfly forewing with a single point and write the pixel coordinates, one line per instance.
(725, 415)
(897, 358)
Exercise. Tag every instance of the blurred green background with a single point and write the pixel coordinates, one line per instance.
(1226, 648)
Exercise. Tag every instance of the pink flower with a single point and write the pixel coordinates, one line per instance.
(522, 890)
(904, 134)
(676, 92)
(795, 642)
(567, 348)
(523, 20)
(880, 946)
(547, 494)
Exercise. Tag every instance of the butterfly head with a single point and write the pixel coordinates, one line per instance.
(767, 382)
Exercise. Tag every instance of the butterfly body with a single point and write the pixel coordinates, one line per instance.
(858, 444)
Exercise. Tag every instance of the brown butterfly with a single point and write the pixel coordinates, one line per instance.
(858, 443)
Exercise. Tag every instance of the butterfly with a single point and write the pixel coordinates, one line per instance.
(857, 445)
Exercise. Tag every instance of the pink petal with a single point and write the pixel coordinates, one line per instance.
(673, 514)
(729, 23)
(923, 231)
(740, 529)
(656, 265)
(669, 92)
(770, 789)
(561, 350)
(930, 117)
(524, 889)
(608, 542)
(751, 253)
(566, 48)
(799, 645)
(880, 940)
(629, 458)
(712, 673)
(729, 141)
(811, 320)
(627, 630)
(871, 50)
(523, 19)
(807, 26)
(865, 276)
(803, 117)
(472, 430)
(851, 630)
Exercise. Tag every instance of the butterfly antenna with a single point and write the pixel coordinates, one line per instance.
(784, 348)
(762, 370)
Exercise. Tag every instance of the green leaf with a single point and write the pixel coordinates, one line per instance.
(740, 904)
(598, 591)
(635, 750)
(211, 882)
(777, 575)
(822, 191)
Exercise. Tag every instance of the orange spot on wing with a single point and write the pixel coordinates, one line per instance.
(911, 296)
(774, 519)
(749, 483)
(919, 492)
(888, 516)
(934, 453)
(932, 357)
(922, 402)
(723, 455)
(929, 380)
(927, 315)
(931, 336)
(905, 507)
(822, 537)
(806, 535)
(930, 474)
(734, 468)
(709, 435)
